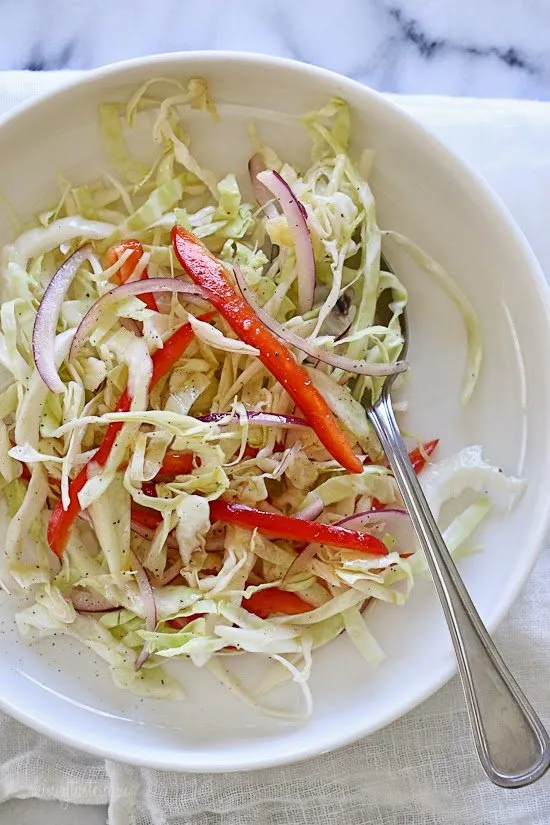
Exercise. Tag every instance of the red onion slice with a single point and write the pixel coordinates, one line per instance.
(47, 316)
(170, 574)
(142, 530)
(131, 326)
(215, 544)
(296, 216)
(372, 518)
(134, 288)
(311, 511)
(313, 350)
(149, 534)
(85, 601)
(395, 522)
(300, 562)
(149, 606)
(142, 657)
(261, 419)
(262, 194)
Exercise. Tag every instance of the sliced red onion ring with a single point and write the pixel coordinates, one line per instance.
(262, 194)
(314, 351)
(90, 320)
(142, 657)
(149, 606)
(300, 562)
(131, 326)
(260, 418)
(142, 530)
(47, 316)
(311, 511)
(372, 518)
(303, 210)
(215, 544)
(168, 576)
(149, 534)
(84, 601)
(396, 522)
(296, 217)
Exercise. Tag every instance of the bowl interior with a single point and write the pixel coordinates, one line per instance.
(422, 191)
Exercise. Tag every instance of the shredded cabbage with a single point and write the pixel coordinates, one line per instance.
(145, 506)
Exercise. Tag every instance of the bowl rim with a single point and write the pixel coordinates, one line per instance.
(532, 270)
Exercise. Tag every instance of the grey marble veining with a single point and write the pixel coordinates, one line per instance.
(491, 48)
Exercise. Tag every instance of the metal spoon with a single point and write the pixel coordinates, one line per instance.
(512, 743)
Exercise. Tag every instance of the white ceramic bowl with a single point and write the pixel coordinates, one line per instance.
(423, 191)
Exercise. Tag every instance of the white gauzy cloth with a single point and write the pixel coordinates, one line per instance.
(421, 770)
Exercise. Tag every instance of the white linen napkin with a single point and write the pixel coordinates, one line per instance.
(421, 770)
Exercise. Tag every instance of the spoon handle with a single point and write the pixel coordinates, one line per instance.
(512, 744)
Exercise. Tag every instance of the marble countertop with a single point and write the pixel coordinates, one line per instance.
(494, 48)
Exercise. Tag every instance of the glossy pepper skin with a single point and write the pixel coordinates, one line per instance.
(296, 529)
(208, 273)
(61, 521)
(175, 464)
(264, 603)
(277, 526)
(418, 457)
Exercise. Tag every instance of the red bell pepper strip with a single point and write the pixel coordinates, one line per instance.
(146, 517)
(418, 461)
(176, 464)
(418, 458)
(165, 358)
(377, 505)
(125, 271)
(61, 521)
(273, 600)
(296, 529)
(250, 452)
(278, 526)
(208, 273)
(178, 624)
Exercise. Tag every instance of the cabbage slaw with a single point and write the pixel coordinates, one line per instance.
(145, 573)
